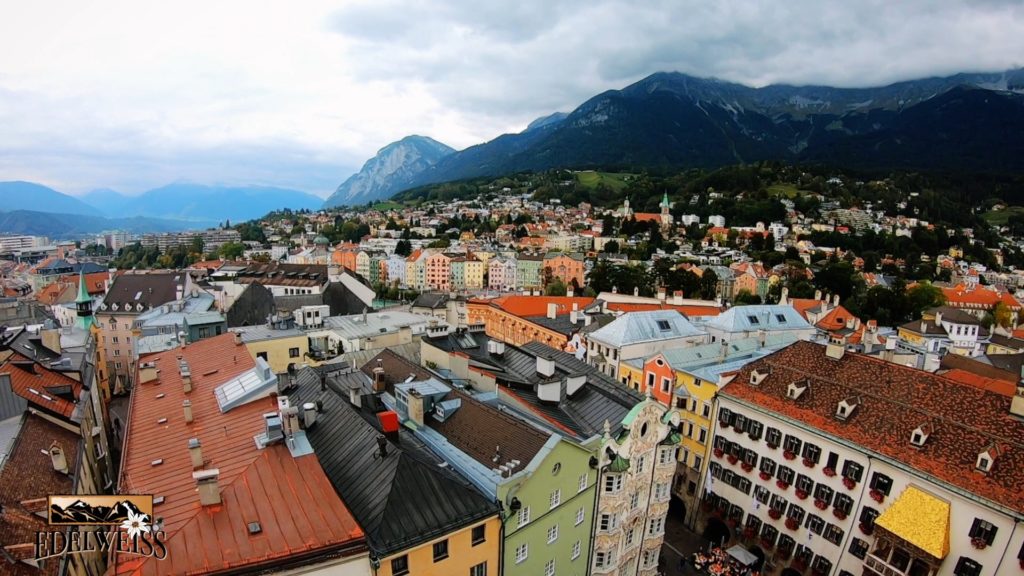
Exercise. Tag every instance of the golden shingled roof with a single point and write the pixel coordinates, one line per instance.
(921, 519)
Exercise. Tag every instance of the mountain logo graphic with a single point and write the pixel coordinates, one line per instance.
(99, 509)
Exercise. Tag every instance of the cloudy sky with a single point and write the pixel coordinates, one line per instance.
(132, 95)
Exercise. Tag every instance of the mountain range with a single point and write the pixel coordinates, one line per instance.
(960, 123)
(390, 171)
(201, 203)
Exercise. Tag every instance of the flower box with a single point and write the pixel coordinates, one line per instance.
(792, 524)
(732, 523)
(775, 513)
(799, 564)
(719, 453)
(830, 472)
(723, 423)
(979, 543)
(809, 463)
(767, 544)
(877, 495)
(749, 533)
(706, 506)
(848, 482)
(839, 513)
(865, 529)
(801, 494)
(771, 446)
(788, 455)
(820, 504)
(765, 476)
(784, 553)
(782, 485)
(732, 459)
(747, 467)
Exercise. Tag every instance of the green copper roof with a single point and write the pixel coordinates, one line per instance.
(83, 321)
(619, 464)
(631, 416)
(673, 438)
(83, 293)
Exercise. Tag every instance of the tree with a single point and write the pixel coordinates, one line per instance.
(232, 251)
(403, 248)
(1002, 315)
(611, 247)
(746, 297)
(709, 284)
(555, 288)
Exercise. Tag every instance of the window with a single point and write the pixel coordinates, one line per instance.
(881, 482)
(739, 423)
(773, 437)
(786, 474)
(522, 552)
(293, 352)
(114, 339)
(859, 548)
(602, 559)
(823, 493)
(634, 501)
(867, 517)
(576, 549)
(650, 380)
(580, 515)
(584, 482)
(552, 533)
(844, 504)
(117, 352)
(609, 522)
(661, 492)
(664, 325)
(725, 416)
(440, 550)
(804, 483)
(613, 483)
(815, 523)
(702, 435)
(833, 534)
(697, 460)
(641, 463)
(631, 536)
(984, 530)
(479, 534)
(795, 512)
(778, 503)
(655, 526)
(400, 565)
(967, 567)
(762, 494)
(705, 409)
(666, 384)
(479, 570)
(549, 568)
(792, 444)
(769, 533)
(666, 456)
(821, 565)
(555, 499)
(754, 429)
(768, 466)
(523, 518)
(853, 471)
(750, 457)
(812, 452)
(650, 558)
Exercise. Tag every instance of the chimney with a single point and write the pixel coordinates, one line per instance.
(147, 372)
(1017, 405)
(938, 318)
(573, 316)
(308, 415)
(545, 366)
(661, 293)
(186, 382)
(817, 295)
(723, 351)
(762, 337)
(57, 458)
(552, 310)
(587, 319)
(636, 290)
(355, 396)
(835, 299)
(238, 338)
(784, 298)
(677, 297)
(924, 325)
(378, 376)
(382, 446)
(415, 406)
(209, 489)
(187, 406)
(195, 452)
(569, 291)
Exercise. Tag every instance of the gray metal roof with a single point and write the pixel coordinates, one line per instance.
(759, 317)
(264, 332)
(353, 326)
(401, 500)
(646, 326)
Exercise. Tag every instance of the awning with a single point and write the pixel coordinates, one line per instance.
(920, 519)
(742, 555)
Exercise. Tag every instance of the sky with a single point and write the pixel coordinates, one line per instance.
(133, 95)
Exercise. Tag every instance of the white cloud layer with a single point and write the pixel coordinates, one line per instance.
(132, 95)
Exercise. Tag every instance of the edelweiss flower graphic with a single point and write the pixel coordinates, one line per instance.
(135, 524)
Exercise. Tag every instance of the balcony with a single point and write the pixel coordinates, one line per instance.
(888, 560)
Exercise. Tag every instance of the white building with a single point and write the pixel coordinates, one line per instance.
(848, 465)
(640, 335)
(716, 220)
(758, 320)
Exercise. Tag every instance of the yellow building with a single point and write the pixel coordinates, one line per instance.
(474, 273)
(464, 550)
(279, 347)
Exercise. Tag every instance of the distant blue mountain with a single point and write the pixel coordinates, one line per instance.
(202, 203)
(20, 195)
(61, 226)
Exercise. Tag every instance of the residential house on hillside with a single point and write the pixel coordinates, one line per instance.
(939, 331)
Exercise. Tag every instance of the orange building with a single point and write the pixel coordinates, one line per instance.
(567, 267)
(660, 378)
(345, 255)
(521, 319)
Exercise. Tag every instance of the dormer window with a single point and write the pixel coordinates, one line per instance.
(757, 376)
(985, 461)
(920, 435)
(796, 389)
(846, 408)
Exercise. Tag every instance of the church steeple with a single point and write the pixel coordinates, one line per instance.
(83, 305)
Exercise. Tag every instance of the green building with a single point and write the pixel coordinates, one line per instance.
(528, 270)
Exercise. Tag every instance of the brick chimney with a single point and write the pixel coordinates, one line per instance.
(415, 406)
(195, 452)
(209, 488)
(187, 407)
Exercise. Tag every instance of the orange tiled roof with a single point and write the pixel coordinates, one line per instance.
(996, 385)
(32, 386)
(978, 297)
(536, 305)
(56, 293)
(895, 400)
(802, 305)
(291, 498)
(688, 309)
(647, 217)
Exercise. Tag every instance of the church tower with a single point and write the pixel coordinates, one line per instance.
(666, 215)
(83, 305)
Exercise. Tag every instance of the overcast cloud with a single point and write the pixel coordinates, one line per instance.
(133, 95)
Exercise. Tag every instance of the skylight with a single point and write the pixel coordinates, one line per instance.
(781, 318)
(753, 319)
(663, 325)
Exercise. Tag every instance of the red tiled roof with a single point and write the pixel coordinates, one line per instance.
(978, 297)
(28, 476)
(895, 400)
(291, 498)
(32, 386)
(688, 309)
(536, 305)
(647, 217)
(996, 385)
(802, 305)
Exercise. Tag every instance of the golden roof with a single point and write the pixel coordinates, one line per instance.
(921, 519)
